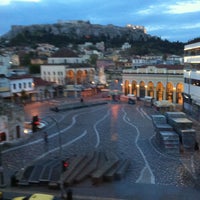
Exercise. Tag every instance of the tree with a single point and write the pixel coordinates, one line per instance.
(93, 59)
(34, 69)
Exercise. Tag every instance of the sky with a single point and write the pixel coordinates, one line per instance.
(174, 20)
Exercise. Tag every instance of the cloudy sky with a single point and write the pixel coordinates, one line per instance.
(174, 20)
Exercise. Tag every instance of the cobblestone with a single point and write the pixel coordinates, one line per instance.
(121, 128)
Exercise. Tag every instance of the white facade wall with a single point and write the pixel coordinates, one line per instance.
(18, 85)
(192, 79)
(53, 73)
(3, 124)
(138, 62)
(4, 64)
(4, 87)
(65, 60)
(126, 45)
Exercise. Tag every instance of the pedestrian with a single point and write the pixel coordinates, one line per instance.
(45, 137)
(196, 146)
(63, 194)
(69, 194)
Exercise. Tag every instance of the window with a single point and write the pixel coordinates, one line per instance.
(24, 85)
(29, 84)
(14, 86)
(20, 86)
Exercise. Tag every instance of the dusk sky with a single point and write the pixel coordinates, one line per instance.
(174, 20)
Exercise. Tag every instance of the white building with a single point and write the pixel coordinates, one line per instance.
(161, 82)
(126, 45)
(192, 79)
(4, 86)
(146, 60)
(11, 124)
(5, 63)
(69, 74)
(53, 73)
(65, 60)
(21, 83)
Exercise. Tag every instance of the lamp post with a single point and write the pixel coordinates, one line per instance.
(59, 136)
(2, 183)
(75, 83)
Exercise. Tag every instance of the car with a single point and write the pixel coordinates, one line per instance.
(36, 196)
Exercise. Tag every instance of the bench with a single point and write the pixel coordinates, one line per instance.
(84, 164)
(122, 169)
(34, 178)
(24, 176)
(89, 169)
(45, 174)
(110, 162)
(72, 166)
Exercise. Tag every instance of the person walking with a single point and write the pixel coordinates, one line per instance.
(63, 194)
(45, 137)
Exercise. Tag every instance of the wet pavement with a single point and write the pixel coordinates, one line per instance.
(125, 129)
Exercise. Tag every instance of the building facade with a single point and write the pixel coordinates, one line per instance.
(162, 82)
(69, 78)
(11, 124)
(5, 63)
(191, 95)
(4, 86)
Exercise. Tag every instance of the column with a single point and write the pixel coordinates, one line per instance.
(174, 95)
(164, 95)
(155, 93)
(130, 86)
(122, 85)
(138, 90)
(145, 90)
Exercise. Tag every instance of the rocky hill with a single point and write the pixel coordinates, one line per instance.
(74, 32)
(62, 34)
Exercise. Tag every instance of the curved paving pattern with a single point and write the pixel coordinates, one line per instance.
(123, 129)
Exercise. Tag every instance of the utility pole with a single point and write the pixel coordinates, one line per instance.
(59, 137)
(2, 183)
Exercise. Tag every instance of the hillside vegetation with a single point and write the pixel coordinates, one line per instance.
(64, 34)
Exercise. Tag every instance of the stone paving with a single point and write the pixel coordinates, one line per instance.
(130, 134)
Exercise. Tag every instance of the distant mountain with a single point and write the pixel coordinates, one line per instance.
(79, 32)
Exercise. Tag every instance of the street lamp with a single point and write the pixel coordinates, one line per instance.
(59, 136)
(75, 82)
(2, 183)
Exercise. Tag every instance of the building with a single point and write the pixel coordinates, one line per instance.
(191, 95)
(162, 82)
(126, 45)
(137, 27)
(4, 86)
(21, 84)
(69, 73)
(65, 56)
(11, 124)
(5, 64)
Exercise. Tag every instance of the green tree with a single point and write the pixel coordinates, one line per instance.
(93, 59)
(34, 69)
